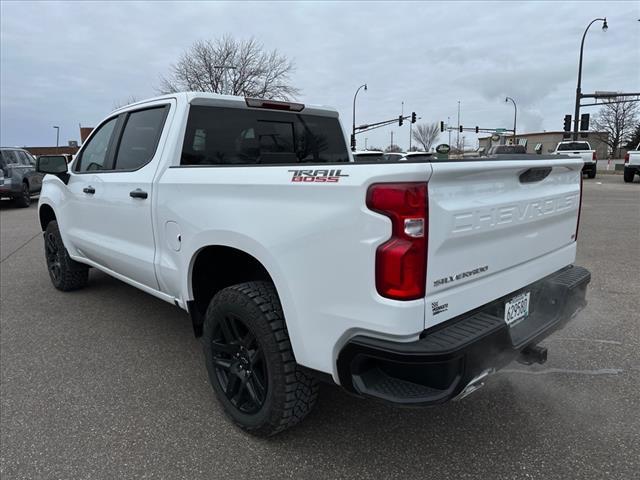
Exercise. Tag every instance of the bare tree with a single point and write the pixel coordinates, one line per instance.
(226, 65)
(426, 134)
(618, 121)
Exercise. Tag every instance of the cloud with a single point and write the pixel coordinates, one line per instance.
(67, 63)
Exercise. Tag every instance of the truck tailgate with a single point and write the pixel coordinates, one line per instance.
(496, 226)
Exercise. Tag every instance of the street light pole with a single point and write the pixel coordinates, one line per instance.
(515, 117)
(578, 88)
(57, 135)
(353, 132)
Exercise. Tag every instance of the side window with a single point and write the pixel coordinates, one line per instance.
(140, 138)
(94, 154)
(23, 158)
(9, 157)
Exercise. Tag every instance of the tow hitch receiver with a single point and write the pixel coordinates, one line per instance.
(533, 354)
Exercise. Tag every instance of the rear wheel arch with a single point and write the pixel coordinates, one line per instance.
(214, 268)
(46, 215)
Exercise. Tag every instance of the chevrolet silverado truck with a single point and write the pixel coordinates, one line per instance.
(632, 164)
(404, 282)
(578, 149)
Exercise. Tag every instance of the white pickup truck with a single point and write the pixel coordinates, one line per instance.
(632, 164)
(404, 282)
(582, 150)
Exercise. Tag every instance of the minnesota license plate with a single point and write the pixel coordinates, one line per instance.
(517, 308)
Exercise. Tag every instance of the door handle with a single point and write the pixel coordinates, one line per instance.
(90, 190)
(137, 193)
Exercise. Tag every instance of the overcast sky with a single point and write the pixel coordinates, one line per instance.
(68, 63)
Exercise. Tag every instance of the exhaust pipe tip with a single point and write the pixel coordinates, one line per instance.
(476, 383)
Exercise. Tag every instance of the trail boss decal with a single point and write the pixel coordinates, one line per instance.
(317, 176)
(460, 276)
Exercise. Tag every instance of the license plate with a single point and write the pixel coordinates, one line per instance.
(517, 308)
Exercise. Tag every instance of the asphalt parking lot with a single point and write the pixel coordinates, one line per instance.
(109, 382)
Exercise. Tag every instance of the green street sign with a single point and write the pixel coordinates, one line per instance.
(442, 151)
(500, 130)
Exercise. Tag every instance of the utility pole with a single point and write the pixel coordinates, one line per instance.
(449, 128)
(391, 138)
(410, 130)
(458, 134)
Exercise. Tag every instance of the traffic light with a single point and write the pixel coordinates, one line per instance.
(584, 122)
(413, 117)
(460, 128)
(477, 129)
(400, 119)
(441, 126)
(567, 123)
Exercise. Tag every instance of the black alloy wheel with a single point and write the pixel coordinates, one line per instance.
(239, 364)
(53, 256)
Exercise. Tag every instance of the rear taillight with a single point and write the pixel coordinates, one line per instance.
(575, 236)
(594, 158)
(626, 157)
(401, 262)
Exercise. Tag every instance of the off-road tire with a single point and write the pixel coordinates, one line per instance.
(24, 200)
(291, 391)
(65, 273)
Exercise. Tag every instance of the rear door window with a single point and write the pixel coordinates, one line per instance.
(140, 138)
(236, 136)
(9, 157)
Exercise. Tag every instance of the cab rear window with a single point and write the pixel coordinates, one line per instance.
(233, 136)
(573, 146)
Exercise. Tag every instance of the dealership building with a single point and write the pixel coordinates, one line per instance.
(545, 142)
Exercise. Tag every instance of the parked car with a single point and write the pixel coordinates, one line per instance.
(507, 150)
(406, 282)
(368, 156)
(632, 164)
(392, 156)
(18, 177)
(418, 157)
(582, 150)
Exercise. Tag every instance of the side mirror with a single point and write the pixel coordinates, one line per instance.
(53, 165)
